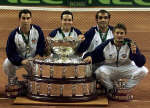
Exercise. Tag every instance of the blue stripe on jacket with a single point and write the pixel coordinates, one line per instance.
(88, 39)
(11, 51)
(97, 54)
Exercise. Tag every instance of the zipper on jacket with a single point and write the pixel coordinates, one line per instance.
(118, 49)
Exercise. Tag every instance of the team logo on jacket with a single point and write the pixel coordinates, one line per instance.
(110, 55)
(33, 41)
(124, 55)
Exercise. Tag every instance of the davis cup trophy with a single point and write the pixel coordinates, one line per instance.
(62, 76)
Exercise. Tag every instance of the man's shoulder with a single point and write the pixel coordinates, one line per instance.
(93, 28)
(90, 33)
(111, 27)
(36, 26)
(76, 30)
(54, 32)
(13, 32)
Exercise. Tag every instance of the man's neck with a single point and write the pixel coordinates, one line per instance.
(117, 43)
(103, 29)
(25, 30)
(65, 30)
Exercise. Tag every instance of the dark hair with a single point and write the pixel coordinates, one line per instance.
(25, 11)
(120, 26)
(66, 12)
(102, 11)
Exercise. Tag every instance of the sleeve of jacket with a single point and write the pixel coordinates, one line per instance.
(53, 33)
(41, 42)
(11, 51)
(86, 43)
(138, 58)
(77, 31)
(97, 55)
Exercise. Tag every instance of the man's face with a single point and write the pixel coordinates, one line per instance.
(67, 21)
(25, 20)
(103, 20)
(119, 34)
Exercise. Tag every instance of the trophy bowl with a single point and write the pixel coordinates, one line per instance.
(63, 49)
(63, 76)
(66, 42)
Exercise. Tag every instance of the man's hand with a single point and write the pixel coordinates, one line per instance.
(47, 47)
(25, 62)
(81, 38)
(69, 38)
(133, 47)
(47, 42)
(88, 59)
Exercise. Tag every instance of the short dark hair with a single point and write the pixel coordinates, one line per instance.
(103, 11)
(120, 26)
(25, 11)
(66, 12)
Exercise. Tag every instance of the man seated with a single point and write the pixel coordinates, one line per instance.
(24, 43)
(123, 64)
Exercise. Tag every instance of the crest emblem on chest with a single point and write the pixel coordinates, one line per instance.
(33, 41)
(124, 55)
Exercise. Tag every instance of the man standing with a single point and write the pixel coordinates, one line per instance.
(23, 44)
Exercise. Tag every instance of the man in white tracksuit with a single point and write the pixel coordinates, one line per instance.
(66, 30)
(24, 43)
(97, 34)
(117, 56)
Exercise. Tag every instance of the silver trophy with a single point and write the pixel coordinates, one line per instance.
(63, 51)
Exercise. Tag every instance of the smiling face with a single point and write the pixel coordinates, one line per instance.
(66, 22)
(103, 20)
(119, 34)
(25, 20)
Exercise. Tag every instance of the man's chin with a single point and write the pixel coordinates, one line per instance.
(68, 28)
(120, 41)
(103, 25)
(26, 25)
